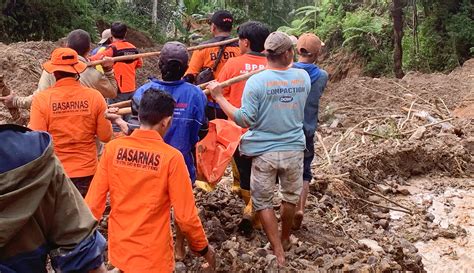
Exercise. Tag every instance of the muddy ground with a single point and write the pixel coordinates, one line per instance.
(389, 194)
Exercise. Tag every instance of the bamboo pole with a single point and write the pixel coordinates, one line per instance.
(157, 53)
(128, 110)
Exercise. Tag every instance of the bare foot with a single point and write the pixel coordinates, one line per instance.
(280, 258)
(298, 220)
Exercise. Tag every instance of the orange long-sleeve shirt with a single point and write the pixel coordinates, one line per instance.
(125, 71)
(145, 178)
(206, 57)
(74, 115)
(238, 66)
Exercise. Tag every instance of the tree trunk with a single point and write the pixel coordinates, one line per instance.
(397, 15)
(154, 15)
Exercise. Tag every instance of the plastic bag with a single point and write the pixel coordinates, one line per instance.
(215, 151)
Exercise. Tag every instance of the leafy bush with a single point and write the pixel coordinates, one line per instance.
(43, 19)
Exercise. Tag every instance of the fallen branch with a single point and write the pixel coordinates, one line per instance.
(382, 206)
(348, 131)
(445, 107)
(157, 53)
(378, 194)
(371, 134)
(408, 116)
(412, 93)
(428, 125)
(244, 77)
(320, 139)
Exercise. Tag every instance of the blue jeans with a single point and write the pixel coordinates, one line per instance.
(310, 123)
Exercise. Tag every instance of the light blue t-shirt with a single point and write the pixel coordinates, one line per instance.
(273, 109)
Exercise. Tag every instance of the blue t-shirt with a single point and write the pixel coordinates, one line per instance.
(189, 115)
(312, 69)
(319, 79)
(273, 108)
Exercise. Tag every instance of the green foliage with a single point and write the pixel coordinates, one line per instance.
(445, 35)
(43, 19)
(136, 14)
(307, 20)
(362, 26)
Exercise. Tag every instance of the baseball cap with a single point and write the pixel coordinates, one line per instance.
(310, 43)
(106, 34)
(222, 19)
(66, 60)
(174, 51)
(278, 43)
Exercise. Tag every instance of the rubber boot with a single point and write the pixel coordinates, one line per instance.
(246, 225)
(236, 183)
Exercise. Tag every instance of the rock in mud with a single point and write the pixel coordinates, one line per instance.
(300, 250)
(372, 260)
(373, 245)
(319, 261)
(262, 252)
(180, 267)
(383, 223)
(246, 258)
(430, 217)
(271, 261)
(227, 245)
(375, 199)
(448, 234)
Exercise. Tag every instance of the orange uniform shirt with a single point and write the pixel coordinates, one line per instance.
(145, 178)
(207, 56)
(125, 71)
(74, 115)
(238, 66)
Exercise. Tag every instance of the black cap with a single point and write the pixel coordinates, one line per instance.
(174, 51)
(223, 20)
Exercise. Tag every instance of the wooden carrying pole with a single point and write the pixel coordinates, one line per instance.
(128, 110)
(157, 53)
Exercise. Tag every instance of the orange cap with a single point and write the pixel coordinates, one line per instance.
(64, 59)
(310, 43)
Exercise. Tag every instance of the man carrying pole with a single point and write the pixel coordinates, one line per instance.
(272, 108)
(252, 37)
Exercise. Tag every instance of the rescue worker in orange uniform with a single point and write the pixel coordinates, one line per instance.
(125, 71)
(74, 115)
(212, 60)
(145, 178)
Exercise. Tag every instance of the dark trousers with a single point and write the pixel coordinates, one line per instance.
(308, 157)
(244, 166)
(82, 184)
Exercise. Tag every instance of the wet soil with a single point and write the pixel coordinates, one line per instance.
(445, 237)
